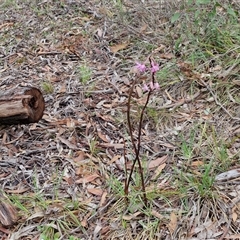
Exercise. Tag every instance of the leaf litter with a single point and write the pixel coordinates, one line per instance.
(72, 154)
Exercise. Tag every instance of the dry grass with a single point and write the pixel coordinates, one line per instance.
(65, 174)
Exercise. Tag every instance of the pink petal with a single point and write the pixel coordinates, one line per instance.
(145, 87)
(140, 67)
(151, 85)
(155, 67)
(156, 85)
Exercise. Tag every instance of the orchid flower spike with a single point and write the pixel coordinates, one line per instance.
(145, 87)
(155, 67)
(156, 85)
(151, 86)
(141, 67)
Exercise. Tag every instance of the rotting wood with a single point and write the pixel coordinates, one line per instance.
(21, 105)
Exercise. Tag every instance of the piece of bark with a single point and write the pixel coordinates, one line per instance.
(21, 105)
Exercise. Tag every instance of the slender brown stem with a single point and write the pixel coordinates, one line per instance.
(125, 180)
(137, 146)
(128, 117)
(132, 138)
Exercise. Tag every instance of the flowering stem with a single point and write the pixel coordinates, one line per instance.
(126, 189)
(136, 148)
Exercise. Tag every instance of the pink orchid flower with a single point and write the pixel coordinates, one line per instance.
(145, 87)
(155, 67)
(151, 86)
(140, 67)
(156, 86)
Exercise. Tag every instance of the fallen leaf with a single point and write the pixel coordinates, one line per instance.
(234, 216)
(8, 214)
(106, 118)
(118, 47)
(105, 230)
(159, 170)
(95, 191)
(197, 163)
(17, 191)
(70, 123)
(5, 230)
(216, 68)
(167, 56)
(38, 214)
(130, 217)
(234, 236)
(159, 49)
(69, 180)
(84, 222)
(68, 143)
(80, 157)
(99, 32)
(115, 158)
(143, 28)
(157, 215)
(87, 179)
(102, 136)
(5, 25)
(103, 199)
(173, 222)
(234, 173)
(112, 145)
(158, 161)
(97, 230)
(139, 91)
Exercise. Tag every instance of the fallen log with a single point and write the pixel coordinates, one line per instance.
(21, 105)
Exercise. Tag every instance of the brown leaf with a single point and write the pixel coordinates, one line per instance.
(105, 230)
(69, 180)
(6, 25)
(112, 145)
(197, 163)
(157, 214)
(234, 216)
(159, 170)
(68, 143)
(17, 191)
(88, 178)
(84, 222)
(130, 217)
(95, 191)
(158, 161)
(80, 157)
(106, 118)
(102, 136)
(103, 199)
(167, 56)
(139, 91)
(114, 159)
(234, 236)
(143, 28)
(70, 123)
(118, 47)
(173, 222)
(8, 214)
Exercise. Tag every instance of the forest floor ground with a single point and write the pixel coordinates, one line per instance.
(65, 174)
